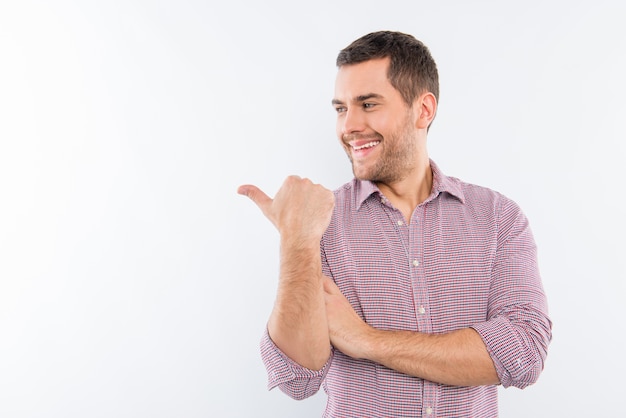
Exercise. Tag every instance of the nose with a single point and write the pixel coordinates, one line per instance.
(351, 121)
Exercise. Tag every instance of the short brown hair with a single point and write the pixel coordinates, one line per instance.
(412, 70)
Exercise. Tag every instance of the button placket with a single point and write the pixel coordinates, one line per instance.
(418, 279)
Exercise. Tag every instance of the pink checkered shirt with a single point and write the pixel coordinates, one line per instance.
(467, 259)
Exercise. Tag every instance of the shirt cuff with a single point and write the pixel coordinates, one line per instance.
(514, 361)
(293, 379)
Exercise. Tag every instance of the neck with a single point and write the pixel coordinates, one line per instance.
(406, 194)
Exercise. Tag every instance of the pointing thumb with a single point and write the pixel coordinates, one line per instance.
(256, 195)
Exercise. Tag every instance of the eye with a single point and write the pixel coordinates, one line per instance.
(340, 109)
(368, 105)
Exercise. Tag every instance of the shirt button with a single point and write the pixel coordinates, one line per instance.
(429, 410)
(400, 223)
(416, 263)
(421, 310)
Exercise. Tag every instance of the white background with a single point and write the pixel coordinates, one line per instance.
(135, 282)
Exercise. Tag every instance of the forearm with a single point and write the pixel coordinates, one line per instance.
(298, 324)
(457, 358)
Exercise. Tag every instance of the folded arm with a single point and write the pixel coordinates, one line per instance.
(456, 358)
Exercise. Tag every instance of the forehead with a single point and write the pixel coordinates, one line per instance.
(367, 77)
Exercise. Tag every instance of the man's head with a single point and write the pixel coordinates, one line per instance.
(412, 69)
(385, 99)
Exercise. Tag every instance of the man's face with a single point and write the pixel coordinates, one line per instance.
(374, 124)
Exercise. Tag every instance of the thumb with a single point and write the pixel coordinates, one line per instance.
(256, 195)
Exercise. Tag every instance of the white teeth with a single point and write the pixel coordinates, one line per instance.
(368, 145)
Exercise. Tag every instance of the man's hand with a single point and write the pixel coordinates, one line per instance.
(347, 330)
(300, 208)
(301, 211)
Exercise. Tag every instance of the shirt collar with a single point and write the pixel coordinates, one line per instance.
(441, 184)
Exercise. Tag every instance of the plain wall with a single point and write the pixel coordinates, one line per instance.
(135, 282)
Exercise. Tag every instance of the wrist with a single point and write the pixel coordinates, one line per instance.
(300, 259)
(299, 243)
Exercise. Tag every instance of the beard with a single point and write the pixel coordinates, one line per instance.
(397, 155)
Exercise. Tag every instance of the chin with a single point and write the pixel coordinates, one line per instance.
(362, 176)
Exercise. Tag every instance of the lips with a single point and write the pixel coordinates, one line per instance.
(359, 146)
(361, 149)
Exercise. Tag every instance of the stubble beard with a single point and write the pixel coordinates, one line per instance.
(396, 160)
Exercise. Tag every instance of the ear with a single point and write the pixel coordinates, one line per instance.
(427, 107)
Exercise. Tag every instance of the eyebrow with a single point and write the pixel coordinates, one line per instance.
(359, 99)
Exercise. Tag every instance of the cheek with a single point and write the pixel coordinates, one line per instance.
(379, 122)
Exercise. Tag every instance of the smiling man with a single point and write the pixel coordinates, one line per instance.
(404, 293)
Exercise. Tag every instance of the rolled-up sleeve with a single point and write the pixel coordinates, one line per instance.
(518, 329)
(294, 380)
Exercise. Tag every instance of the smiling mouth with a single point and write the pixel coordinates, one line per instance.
(364, 146)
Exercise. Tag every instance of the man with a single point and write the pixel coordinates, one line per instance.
(426, 293)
